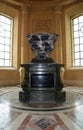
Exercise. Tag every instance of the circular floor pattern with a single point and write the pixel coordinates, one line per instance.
(11, 99)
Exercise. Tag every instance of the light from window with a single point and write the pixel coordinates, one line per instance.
(78, 41)
(5, 41)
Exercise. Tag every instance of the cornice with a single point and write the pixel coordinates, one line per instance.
(38, 3)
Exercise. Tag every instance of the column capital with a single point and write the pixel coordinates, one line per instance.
(25, 8)
(58, 9)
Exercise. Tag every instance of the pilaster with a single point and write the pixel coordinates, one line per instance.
(58, 30)
(24, 42)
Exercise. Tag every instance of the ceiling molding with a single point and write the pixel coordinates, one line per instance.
(38, 3)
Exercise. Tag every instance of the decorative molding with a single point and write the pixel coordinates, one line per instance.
(25, 9)
(41, 25)
(37, 3)
(58, 8)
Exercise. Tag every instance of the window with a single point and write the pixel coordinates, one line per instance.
(78, 41)
(5, 41)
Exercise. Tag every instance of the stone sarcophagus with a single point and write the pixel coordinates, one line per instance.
(42, 82)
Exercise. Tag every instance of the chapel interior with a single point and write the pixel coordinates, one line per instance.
(63, 17)
(33, 16)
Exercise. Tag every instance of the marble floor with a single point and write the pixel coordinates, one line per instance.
(16, 116)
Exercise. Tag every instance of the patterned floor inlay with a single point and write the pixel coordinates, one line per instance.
(43, 122)
(14, 118)
(11, 98)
